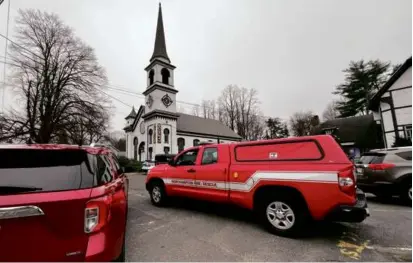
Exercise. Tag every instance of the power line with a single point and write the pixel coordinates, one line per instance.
(20, 46)
(110, 87)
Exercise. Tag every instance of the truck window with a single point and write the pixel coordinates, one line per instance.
(210, 156)
(187, 158)
(299, 150)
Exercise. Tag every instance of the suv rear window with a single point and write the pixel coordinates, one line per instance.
(407, 155)
(47, 170)
(372, 158)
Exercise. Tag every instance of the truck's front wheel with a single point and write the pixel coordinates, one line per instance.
(158, 193)
(282, 215)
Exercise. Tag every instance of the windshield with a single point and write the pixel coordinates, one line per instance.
(372, 158)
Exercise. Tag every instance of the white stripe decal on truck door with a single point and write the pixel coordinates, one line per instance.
(305, 177)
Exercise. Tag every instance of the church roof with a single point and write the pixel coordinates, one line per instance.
(159, 50)
(195, 126)
(132, 114)
(202, 126)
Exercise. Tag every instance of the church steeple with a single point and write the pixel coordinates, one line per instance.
(159, 50)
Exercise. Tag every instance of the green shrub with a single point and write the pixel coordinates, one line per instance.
(123, 160)
(129, 164)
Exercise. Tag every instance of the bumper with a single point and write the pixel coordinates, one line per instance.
(347, 213)
(102, 248)
(385, 187)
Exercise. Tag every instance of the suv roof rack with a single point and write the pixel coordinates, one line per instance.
(391, 148)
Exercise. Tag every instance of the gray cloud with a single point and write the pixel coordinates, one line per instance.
(292, 52)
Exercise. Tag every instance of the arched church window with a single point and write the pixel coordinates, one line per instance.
(166, 135)
(165, 76)
(196, 142)
(181, 144)
(151, 76)
(135, 148)
(150, 136)
(150, 151)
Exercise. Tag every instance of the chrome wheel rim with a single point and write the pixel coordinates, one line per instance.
(280, 215)
(156, 194)
(410, 193)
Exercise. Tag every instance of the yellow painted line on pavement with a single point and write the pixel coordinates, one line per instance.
(351, 245)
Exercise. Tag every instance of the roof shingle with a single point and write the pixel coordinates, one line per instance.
(194, 124)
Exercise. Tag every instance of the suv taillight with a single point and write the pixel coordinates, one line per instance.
(97, 213)
(381, 166)
(346, 181)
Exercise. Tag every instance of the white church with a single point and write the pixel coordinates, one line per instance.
(157, 128)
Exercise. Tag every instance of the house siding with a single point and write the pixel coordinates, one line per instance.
(400, 94)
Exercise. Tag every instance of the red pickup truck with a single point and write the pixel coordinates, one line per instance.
(286, 181)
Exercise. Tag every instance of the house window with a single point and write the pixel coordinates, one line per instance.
(196, 142)
(166, 135)
(408, 132)
(181, 144)
(150, 137)
(166, 150)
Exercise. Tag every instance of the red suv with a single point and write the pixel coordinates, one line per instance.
(61, 203)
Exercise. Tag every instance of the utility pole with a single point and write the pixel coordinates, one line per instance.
(5, 56)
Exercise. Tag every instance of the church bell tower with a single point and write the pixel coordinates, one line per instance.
(160, 94)
(160, 115)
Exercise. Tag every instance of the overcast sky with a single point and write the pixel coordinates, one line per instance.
(292, 51)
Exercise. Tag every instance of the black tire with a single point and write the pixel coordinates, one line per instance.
(385, 196)
(159, 197)
(406, 192)
(296, 205)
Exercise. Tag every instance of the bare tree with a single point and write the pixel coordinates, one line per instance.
(181, 109)
(59, 82)
(227, 102)
(196, 111)
(208, 109)
(331, 112)
(303, 123)
(247, 111)
(238, 108)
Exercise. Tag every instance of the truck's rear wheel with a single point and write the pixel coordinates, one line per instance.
(158, 193)
(282, 215)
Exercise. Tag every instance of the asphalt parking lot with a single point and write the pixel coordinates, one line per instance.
(200, 231)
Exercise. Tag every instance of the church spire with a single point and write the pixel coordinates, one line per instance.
(159, 49)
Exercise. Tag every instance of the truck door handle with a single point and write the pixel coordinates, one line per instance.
(191, 171)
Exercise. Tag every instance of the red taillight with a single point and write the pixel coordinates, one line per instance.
(97, 213)
(381, 166)
(346, 181)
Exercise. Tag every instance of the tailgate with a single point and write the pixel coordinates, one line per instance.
(43, 194)
(43, 226)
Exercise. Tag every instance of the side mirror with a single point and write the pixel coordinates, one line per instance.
(171, 162)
